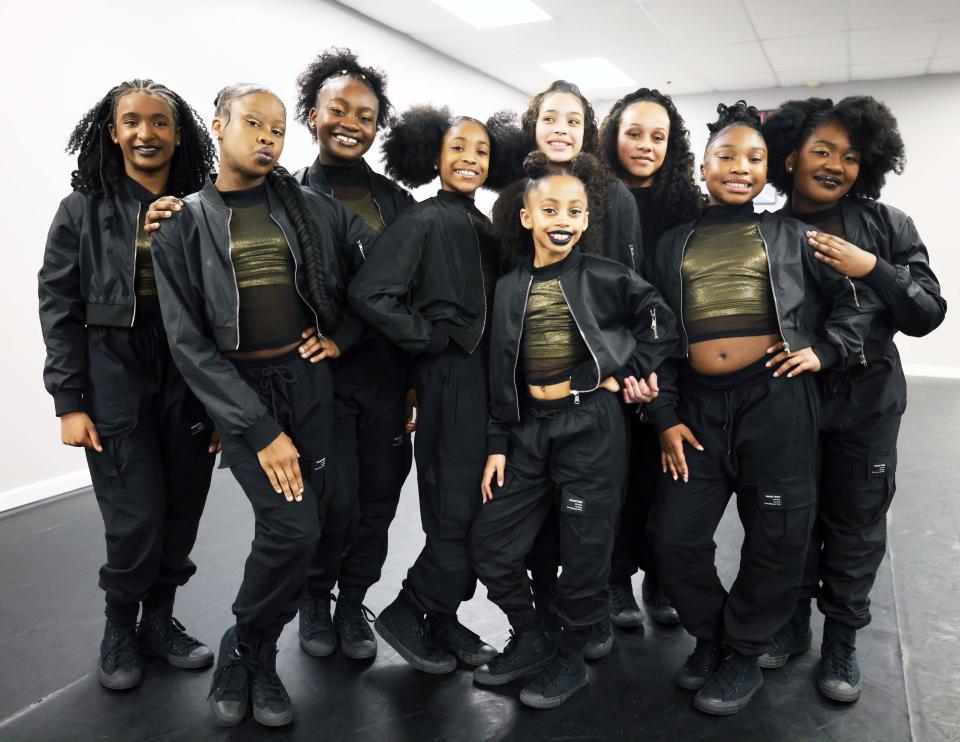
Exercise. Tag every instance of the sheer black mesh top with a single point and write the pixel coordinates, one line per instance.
(351, 187)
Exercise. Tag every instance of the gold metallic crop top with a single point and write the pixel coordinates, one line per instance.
(552, 344)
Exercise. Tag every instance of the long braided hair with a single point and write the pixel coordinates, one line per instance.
(312, 246)
(100, 161)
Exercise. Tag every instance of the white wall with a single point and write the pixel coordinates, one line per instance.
(59, 57)
(927, 109)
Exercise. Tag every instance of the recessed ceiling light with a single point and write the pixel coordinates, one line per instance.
(493, 13)
(596, 72)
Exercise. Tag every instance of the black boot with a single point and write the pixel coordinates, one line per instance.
(120, 667)
(161, 635)
(731, 687)
(458, 640)
(600, 641)
(624, 611)
(839, 675)
(701, 664)
(351, 619)
(528, 650)
(658, 604)
(402, 626)
(317, 635)
(271, 704)
(793, 639)
(562, 676)
(229, 696)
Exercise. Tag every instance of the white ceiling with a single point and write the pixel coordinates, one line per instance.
(695, 46)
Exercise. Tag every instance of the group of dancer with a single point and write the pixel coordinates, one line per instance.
(594, 373)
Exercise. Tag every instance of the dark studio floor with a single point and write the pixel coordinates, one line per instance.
(51, 623)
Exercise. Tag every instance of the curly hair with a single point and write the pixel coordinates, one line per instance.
(413, 142)
(591, 132)
(739, 114)
(339, 62)
(291, 196)
(515, 239)
(871, 126)
(100, 162)
(677, 196)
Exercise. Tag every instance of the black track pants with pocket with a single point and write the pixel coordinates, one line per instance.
(567, 456)
(759, 438)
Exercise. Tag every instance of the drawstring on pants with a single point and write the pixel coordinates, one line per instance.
(270, 379)
(728, 417)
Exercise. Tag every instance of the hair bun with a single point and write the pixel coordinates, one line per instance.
(536, 165)
(738, 113)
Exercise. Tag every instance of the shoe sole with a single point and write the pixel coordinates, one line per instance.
(689, 682)
(726, 708)
(108, 682)
(629, 622)
(273, 720)
(776, 661)
(849, 696)
(664, 619)
(433, 668)
(537, 702)
(600, 651)
(472, 660)
(222, 719)
(181, 663)
(497, 680)
(358, 654)
(324, 651)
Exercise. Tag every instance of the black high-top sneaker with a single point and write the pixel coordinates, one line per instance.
(402, 626)
(161, 635)
(562, 676)
(120, 666)
(658, 604)
(731, 687)
(839, 675)
(458, 640)
(351, 620)
(701, 664)
(624, 611)
(600, 641)
(793, 639)
(229, 696)
(317, 635)
(528, 650)
(271, 704)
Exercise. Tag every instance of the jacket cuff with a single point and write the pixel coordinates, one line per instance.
(827, 353)
(67, 401)
(262, 433)
(663, 418)
(439, 341)
(497, 444)
(882, 275)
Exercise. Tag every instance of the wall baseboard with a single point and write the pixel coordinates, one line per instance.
(935, 372)
(36, 491)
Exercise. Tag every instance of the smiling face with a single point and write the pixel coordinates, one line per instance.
(251, 133)
(824, 168)
(464, 158)
(345, 120)
(145, 130)
(735, 166)
(555, 212)
(642, 142)
(559, 131)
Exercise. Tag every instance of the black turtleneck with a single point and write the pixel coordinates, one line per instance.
(828, 220)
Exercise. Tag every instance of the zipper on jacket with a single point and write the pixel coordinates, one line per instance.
(853, 288)
(483, 291)
(379, 211)
(362, 253)
(576, 392)
(313, 311)
(653, 323)
(516, 356)
(136, 233)
(633, 259)
(233, 269)
(686, 338)
(773, 290)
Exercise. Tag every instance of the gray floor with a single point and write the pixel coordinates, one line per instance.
(51, 620)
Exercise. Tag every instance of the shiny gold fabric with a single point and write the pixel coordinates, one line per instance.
(552, 344)
(144, 282)
(258, 249)
(360, 202)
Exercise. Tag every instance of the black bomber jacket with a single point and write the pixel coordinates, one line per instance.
(627, 327)
(622, 233)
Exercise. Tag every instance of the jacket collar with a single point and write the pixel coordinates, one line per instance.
(211, 195)
(554, 270)
(452, 198)
(318, 178)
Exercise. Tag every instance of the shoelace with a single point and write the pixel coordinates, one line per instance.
(357, 622)
(177, 636)
(316, 615)
(839, 661)
(620, 597)
(554, 672)
(703, 655)
(727, 676)
(235, 675)
(266, 678)
(123, 647)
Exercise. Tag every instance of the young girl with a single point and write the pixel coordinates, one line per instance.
(644, 141)
(428, 287)
(831, 162)
(743, 290)
(150, 446)
(580, 324)
(344, 105)
(243, 267)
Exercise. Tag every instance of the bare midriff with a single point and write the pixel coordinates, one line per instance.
(563, 389)
(725, 355)
(254, 355)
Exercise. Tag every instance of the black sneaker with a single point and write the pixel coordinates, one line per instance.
(161, 635)
(839, 675)
(526, 652)
(658, 604)
(701, 664)
(351, 620)
(562, 676)
(600, 641)
(458, 640)
(793, 639)
(271, 704)
(624, 611)
(229, 696)
(731, 687)
(317, 636)
(120, 667)
(403, 629)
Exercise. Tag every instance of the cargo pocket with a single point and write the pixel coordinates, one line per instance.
(587, 520)
(880, 483)
(785, 514)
